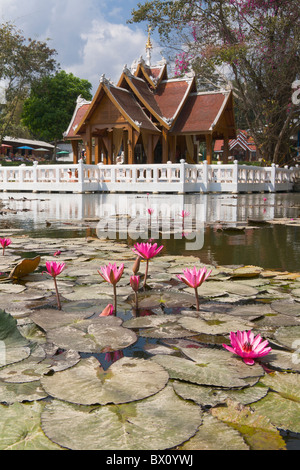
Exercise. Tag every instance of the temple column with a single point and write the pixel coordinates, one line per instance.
(130, 146)
(173, 148)
(209, 149)
(75, 151)
(225, 148)
(89, 146)
(97, 150)
(165, 147)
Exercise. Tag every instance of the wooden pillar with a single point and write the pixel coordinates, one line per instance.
(89, 146)
(209, 149)
(165, 147)
(172, 142)
(110, 149)
(75, 151)
(130, 146)
(97, 150)
(225, 148)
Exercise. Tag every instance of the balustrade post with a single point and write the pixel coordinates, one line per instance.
(273, 178)
(35, 175)
(235, 176)
(205, 176)
(182, 176)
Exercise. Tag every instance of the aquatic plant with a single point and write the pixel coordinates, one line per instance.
(135, 283)
(107, 311)
(4, 243)
(54, 269)
(147, 251)
(245, 345)
(112, 274)
(194, 278)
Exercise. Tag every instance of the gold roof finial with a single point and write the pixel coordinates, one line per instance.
(149, 46)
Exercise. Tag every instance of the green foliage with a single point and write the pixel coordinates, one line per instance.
(48, 110)
(21, 63)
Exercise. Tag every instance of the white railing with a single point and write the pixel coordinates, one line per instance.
(179, 177)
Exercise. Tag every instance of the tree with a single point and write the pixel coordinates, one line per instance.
(22, 61)
(250, 45)
(49, 109)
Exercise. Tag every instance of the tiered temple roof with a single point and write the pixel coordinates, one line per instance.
(157, 118)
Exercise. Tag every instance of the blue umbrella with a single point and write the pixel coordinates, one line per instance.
(25, 147)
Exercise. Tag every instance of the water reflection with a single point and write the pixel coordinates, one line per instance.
(62, 215)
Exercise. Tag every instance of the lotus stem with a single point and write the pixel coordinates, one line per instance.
(197, 298)
(57, 294)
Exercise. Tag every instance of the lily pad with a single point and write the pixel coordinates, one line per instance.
(159, 326)
(12, 393)
(213, 434)
(159, 422)
(88, 337)
(209, 367)
(25, 267)
(128, 379)
(14, 347)
(282, 404)
(286, 308)
(20, 428)
(256, 429)
(288, 336)
(214, 323)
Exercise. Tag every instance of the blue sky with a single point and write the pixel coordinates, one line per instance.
(91, 37)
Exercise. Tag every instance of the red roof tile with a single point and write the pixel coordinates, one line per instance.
(76, 120)
(199, 112)
(169, 96)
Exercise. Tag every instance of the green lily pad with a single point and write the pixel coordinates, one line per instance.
(213, 434)
(87, 336)
(288, 336)
(126, 380)
(20, 428)
(282, 404)
(159, 326)
(256, 429)
(13, 347)
(159, 422)
(212, 396)
(286, 308)
(210, 367)
(214, 323)
(11, 393)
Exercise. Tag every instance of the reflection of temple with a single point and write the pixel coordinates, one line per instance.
(151, 118)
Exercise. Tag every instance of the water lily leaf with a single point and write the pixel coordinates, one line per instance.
(14, 347)
(159, 326)
(126, 380)
(11, 393)
(212, 396)
(52, 318)
(159, 422)
(215, 323)
(286, 308)
(220, 288)
(20, 428)
(247, 271)
(23, 372)
(87, 336)
(288, 336)
(283, 360)
(256, 429)
(282, 404)
(208, 367)
(25, 267)
(215, 435)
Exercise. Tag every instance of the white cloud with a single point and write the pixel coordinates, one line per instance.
(90, 36)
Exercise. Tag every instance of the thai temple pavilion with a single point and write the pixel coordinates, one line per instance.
(151, 118)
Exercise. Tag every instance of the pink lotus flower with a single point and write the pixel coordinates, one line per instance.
(5, 242)
(245, 345)
(112, 274)
(184, 214)
(54, 269)
(109, 310)
(135, 282)
(146, 251)
(194, 278)
(57, 253)
(150, 211)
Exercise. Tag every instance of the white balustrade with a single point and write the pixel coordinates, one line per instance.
(179, 177)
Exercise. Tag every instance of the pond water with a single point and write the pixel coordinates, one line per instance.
(216, 228)
(224, 230)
